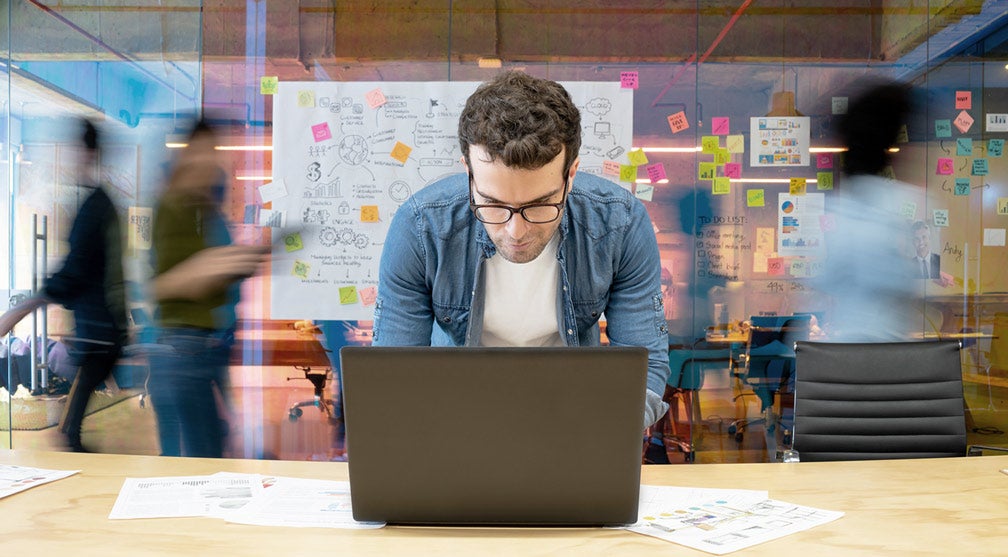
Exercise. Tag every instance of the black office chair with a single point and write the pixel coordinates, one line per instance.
(863, 401)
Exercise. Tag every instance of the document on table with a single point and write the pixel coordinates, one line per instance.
(720, 521)
(14, 479)
(302, 503)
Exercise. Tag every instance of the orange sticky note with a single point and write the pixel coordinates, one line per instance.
(678, 122)
(964, 100)
(775, 266)
(401, 152)
(369, 213)
(368, 295)
(610, 168)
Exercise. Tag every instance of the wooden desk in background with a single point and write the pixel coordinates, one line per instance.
(954, 506)
(960, 310)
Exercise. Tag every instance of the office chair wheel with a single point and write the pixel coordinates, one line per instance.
(732, 429)
(294, 414)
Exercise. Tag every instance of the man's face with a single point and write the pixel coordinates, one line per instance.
(922, 242)
(518, 240)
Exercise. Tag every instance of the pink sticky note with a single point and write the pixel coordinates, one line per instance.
(775, 266)
(321, 132)
(719, 126)
(945, 166)
(610, 168)
(964, 100)
(963, 122)
(368, 295)
(375, 98)
(656, 172)
(628, 80)
(824, 160)
(678, 121)
(733, 170)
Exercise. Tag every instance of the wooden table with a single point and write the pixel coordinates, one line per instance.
(956, 506)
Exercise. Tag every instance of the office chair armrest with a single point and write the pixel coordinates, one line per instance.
(977, 450)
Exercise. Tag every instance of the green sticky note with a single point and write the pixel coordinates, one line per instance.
(292, 242)
(348, 295)
(709, 144)
(964, 147)
(943, 128)
(755, 198)
(268, 84)
(707, 171)
(301, 269)
(721, 156)
(995, 147)
(979, 167)
(721, 185)
(637, 157)
(627, 173)
(962, 186)
(824, 180)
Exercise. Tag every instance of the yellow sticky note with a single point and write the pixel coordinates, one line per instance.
(735, 143)
(824, 180)
(797, 186)
(348, 295)
(721, 185)
(268, 84)
(709, 144)
(637, 157)
(292, 242)
(627, 173)
(707, 171)
(401, 152)
(369, 213)
(721, 156)
(301, 269)
(755, 198)
(306, 98)
(1002, 207)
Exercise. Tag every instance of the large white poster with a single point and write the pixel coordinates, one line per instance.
(779, 141)
(347, 155)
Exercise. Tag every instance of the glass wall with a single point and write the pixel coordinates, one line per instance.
(733, 104)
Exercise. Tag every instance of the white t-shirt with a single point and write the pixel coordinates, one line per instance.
(521, 299)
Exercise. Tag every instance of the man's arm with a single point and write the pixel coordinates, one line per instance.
(403, 309)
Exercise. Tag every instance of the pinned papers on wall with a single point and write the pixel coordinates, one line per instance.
(940, 217)
(735, 143)
(719, 125)
(908, 210)
(320, 132)
(710, 144)
(995, 147)
(306, 98)
(293, 242)
(706, 171)
(627, 173)
(963, 122)
(980, 167)
(629, 80)
(140, 222)
(272, 219)
(994, 237)
(401, 152)
(732, 170)
(375, 98)
(348, 295)
(943, 128)
(368, 295)
(721, 186)
(963, 100)
(1002, 206)
(721, 157)
(272, 190)
(775, 266)
(301, 269)
(824, 181)
(964, 147)
(678, 122)
(962, 186)
(839, 105)
(369, 213)
(755, 198)
(637, 157)
(610, 168)
(268, 84)
(945, 166)
(824, 160)
(644, 192)
(797, 186)
(656, 172)
(779, 141)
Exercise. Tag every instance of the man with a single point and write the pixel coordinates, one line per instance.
(925, 263)
(523, 251)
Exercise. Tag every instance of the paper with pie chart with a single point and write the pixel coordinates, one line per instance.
(349, 155)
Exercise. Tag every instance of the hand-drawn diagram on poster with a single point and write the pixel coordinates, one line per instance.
(779, 141)
(347, 155)
(799, 231)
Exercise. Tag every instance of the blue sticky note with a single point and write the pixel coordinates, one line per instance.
(979, 167)
(964, 147)
(962, 186)
(943, 128)
(995, 147)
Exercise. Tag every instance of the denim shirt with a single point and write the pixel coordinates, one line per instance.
(432, 272)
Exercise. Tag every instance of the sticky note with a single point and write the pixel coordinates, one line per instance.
(627, 173)
(839, 105)
(268, 84)
(375, 98)
(733, 170)
(306, 98)
(320, 132)
(797, 186)
(775, 266)
(824, 180)
(798, 268)
(678, 121)
(401, 152)
(995, 147)
(963, 122)
(721, 186)
(824, 160)
(964, 147)
(980, 167)
(827, 222)
(963, 100)
(272, 191)
(709, 144)
(735, 143)
(908, 210)
(707, 171)
(962, 186)
(994, 237)
(369, 213)
(945, 166)
(1002, 206)
(348, 295)
(656, 172)
(610, 168)
(943, 128)
(721, 156)
(644, 192)
(637, 157)
(755, 198)
(301, 269)
(628, 80)
(368, 295)
(719, 125)
(940, 217)
(292, 242)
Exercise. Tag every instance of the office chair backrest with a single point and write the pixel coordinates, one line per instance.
(863, 401)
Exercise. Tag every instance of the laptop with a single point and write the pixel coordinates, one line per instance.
(494, 436)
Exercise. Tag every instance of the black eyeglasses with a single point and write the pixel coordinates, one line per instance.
(535, 213)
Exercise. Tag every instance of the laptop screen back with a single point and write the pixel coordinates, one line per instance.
(522, 436)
